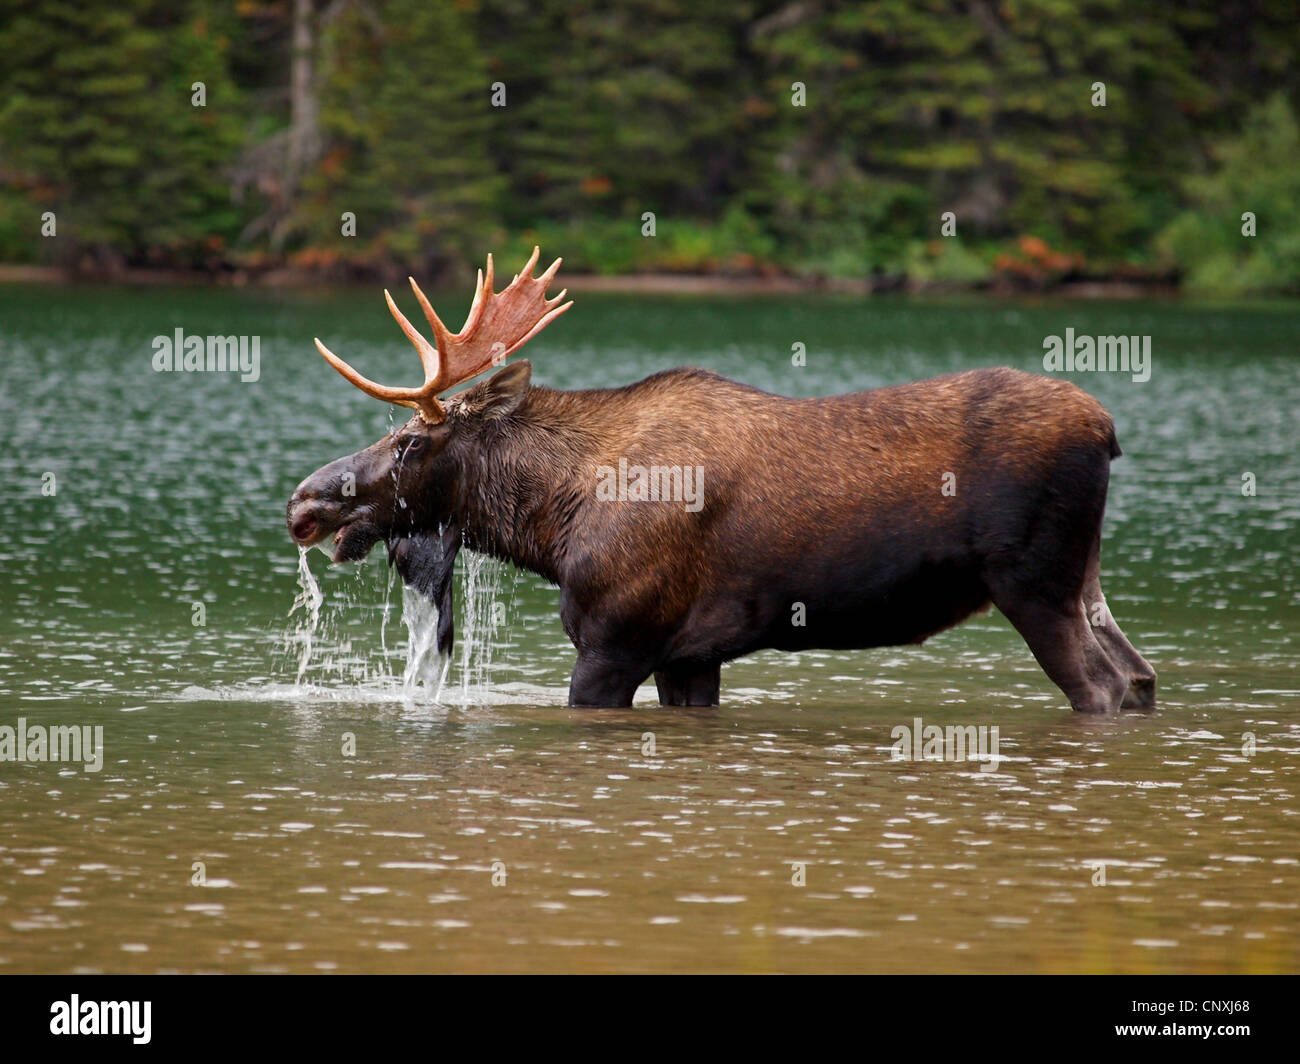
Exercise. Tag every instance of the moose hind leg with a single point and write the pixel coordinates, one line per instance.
(689, 685)
(1063, 643)
(1141, 693)
(599, 682)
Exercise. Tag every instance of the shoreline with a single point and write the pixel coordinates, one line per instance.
(632, 283)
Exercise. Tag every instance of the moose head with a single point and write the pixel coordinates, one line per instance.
(409, 488)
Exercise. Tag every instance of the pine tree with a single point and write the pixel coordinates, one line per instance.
(405, 106)
(97, 125)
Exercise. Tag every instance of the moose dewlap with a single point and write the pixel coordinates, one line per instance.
(871, 519)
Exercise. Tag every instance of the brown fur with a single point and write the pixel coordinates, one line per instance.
(833, 503)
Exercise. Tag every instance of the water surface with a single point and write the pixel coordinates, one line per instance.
(497, 830)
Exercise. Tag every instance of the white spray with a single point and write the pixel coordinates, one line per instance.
(309, 599)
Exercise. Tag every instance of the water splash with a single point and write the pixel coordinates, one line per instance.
(424, 664)
(323, 655)
(386, 611)
(309, 600)
(481, 615)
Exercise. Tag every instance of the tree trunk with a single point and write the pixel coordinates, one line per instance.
(304, 109)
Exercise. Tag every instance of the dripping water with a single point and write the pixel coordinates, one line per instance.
(385, 613)
(424, 664)
(426, 670)
(308, 599)
(479, 592)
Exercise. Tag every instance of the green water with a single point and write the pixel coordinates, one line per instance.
(498, 830)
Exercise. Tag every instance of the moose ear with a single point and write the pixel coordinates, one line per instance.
(501, 394)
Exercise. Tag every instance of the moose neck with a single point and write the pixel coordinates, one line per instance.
(521, 491)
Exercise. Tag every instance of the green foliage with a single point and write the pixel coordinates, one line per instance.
(616, 109)
(1257, 172)
(946, 261)
(405, 110)
(912, 112)
(612, 246)
(19, 222)
(97, 125)
(912, 108)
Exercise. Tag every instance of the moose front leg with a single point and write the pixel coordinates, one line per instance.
(689, 685)
(600, 682)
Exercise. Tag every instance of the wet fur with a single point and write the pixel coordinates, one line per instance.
(834, 505)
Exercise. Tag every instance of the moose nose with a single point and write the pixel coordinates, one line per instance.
(303, 526)
(303, 517)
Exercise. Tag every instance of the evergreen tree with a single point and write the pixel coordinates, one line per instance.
(405, 109)
(97, 125)
(1243, 230)
(383, 108)
(987, 110)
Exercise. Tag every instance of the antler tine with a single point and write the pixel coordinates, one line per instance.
(402, 396)
(441, 334)
(550, 317)
(527, 272)
(482, 293)
(428, 353)
(549, 275)
(478, 298)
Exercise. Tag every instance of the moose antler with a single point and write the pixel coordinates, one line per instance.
(499, 324)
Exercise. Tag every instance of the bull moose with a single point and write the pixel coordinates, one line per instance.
(871, 519)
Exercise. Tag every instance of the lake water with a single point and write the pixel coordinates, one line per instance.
(232, 827)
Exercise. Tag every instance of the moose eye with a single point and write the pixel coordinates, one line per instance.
(413, 446)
